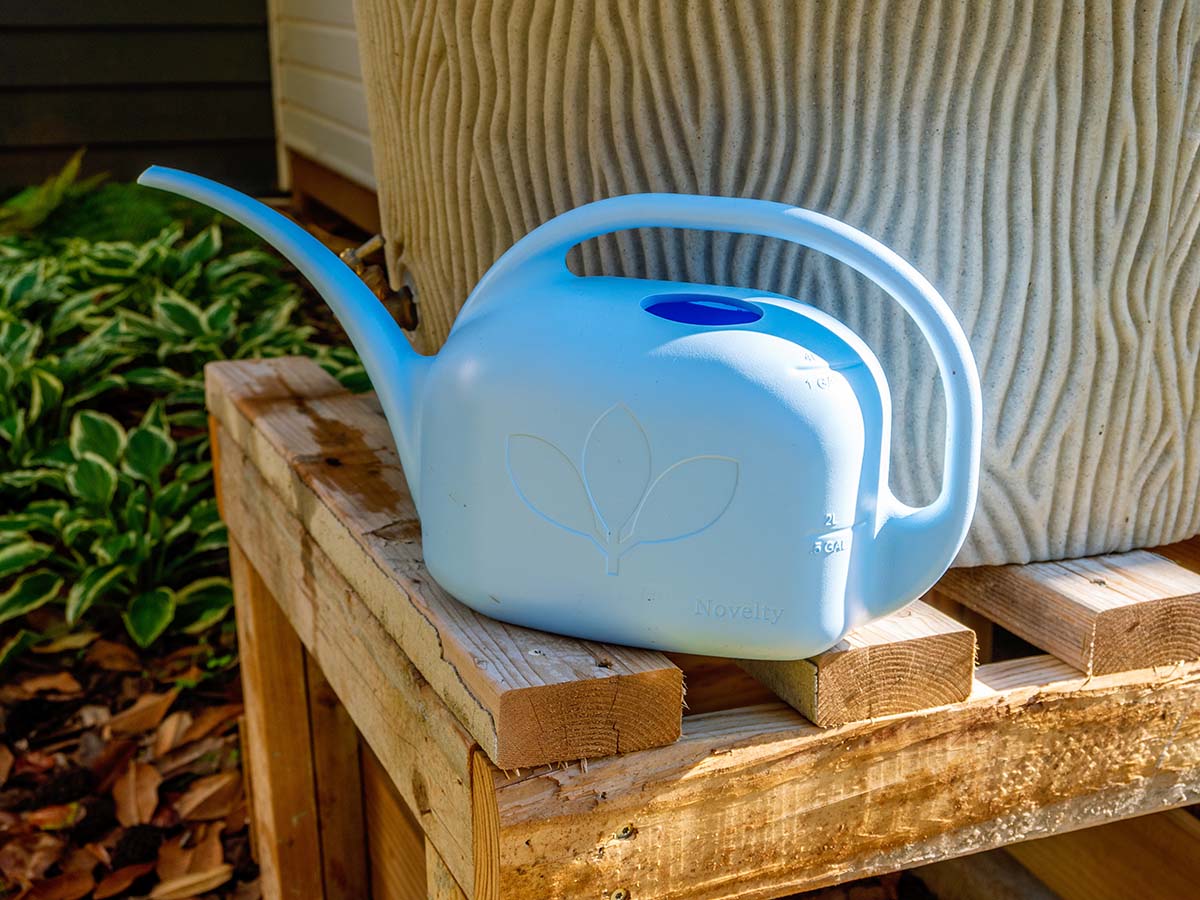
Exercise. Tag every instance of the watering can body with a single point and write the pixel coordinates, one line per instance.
(676, 466)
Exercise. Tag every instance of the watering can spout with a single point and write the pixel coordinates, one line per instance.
(397, 372)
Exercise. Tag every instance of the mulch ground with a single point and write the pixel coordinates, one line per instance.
(120, 774)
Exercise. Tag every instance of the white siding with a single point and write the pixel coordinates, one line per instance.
(321, 103)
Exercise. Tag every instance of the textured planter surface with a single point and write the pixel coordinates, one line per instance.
(1037, 161)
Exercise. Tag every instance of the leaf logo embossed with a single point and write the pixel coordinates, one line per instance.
(612, 499)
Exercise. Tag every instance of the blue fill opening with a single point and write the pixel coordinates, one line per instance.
(702, 309)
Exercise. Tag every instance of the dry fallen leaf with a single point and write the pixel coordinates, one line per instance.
(79, 860)
(55, 682)
(113, 657)
(136, 794)
(71, 886)
(55, 818)
(110, 763)
(209, 853)
(116, 882)
(72, 640)
(174, 859)
(145, 714)
(6, 763)
(25, 858)
(211, 797)
(190, 885)
(210, 720)
(171, 733)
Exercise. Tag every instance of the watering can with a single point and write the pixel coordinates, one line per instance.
(677, 466)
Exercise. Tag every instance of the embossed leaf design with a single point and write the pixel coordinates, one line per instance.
(549, 483)
(616, 466)
(687, 498)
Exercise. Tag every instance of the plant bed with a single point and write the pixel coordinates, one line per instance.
(119, 685)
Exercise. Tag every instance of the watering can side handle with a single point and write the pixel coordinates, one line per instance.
(395, 369)
(915, 545)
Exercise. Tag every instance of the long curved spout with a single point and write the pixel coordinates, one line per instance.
(396, 371)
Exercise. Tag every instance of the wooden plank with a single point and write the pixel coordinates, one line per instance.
(758, 802)
(56, 58)
(311, 180)
(116, 115)
(335, 748)
(1103, 614)
(1151, 858)
(333, 145)
(535, 697)
(914, 659)
(83, 13)
(415, 736)
(395, 843)
(439, 883)
(278, 740)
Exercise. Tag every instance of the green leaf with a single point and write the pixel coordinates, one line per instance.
(93, 479)
(157, 378)
(16, 645)
(88, 589)
(149, 614)
(30, 592)
(45, 392)
(203, 603)
(20, 555)
(148, 452)
(201, 248)
(99, 433)
(179, 315)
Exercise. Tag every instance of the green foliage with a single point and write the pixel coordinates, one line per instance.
(107, 498)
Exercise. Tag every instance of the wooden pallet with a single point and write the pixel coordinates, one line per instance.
(537, 765)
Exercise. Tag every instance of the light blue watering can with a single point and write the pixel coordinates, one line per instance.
(678, 466)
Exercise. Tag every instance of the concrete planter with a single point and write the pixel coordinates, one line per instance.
(1037, 161)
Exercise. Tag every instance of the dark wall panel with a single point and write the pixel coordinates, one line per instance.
(42, 57)
(185, 82)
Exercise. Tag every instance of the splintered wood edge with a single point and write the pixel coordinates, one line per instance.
(439, 637)
(1102, 615)
(1037, 749)
(915, 659)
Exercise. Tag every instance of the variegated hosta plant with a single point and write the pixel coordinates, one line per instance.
(106, 497)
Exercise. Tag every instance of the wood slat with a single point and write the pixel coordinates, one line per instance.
(279, 745)
(1151, 858)
(329, 47)
(313, 181)
(528, 697)
(339, 789)
(340, 148)
(395, 842)
(1102, 614)
(914, 659)
(410, 729)
(991, 875)
(758, 802)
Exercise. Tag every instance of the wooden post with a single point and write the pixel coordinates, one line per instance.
(278, 743)
(914, 659)
(1102, 615)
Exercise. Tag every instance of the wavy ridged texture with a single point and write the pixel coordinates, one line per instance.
(1037, 161)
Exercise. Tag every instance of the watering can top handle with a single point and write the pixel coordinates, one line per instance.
(548, 245)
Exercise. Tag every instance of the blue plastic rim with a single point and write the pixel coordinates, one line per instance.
(702, 309)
